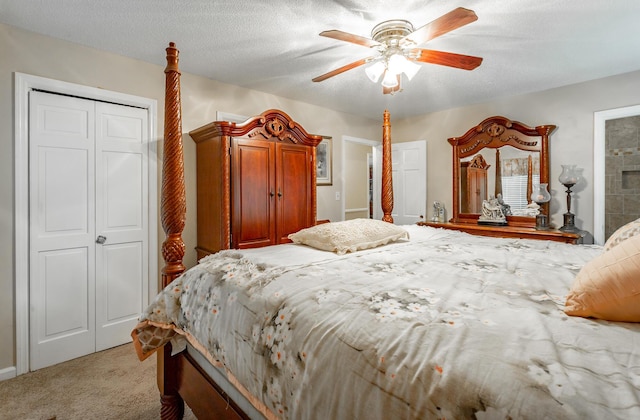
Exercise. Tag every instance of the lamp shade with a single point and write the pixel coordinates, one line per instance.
(569, 175)
(374, 71)
(390, 79)
(540, 194)
(410, 69)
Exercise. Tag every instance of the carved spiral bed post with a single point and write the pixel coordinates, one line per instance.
(387, 179)
(173, 213)
(173, 204)
(498, 183)
(545, 131)
(529, 179)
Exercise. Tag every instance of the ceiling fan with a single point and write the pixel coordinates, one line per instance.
(395, 42)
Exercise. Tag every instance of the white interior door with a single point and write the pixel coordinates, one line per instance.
(88, 180)
(409, 161)
(409, 173)
(62, 228)
(121, 209)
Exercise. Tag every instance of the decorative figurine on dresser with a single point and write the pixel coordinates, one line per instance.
(438, 212)
(492, 213)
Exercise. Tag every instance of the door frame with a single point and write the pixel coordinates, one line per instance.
(377, 212)
(599, 153)
(23, 83)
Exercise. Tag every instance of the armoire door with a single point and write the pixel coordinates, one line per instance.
(253, 193)
(271, 188)
(478, 187)
(295, 171)
(88, 248)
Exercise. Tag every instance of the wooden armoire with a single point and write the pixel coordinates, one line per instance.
(256, 182)
(473, 184)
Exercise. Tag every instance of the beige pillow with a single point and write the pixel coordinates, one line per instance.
(624, 232)
(350, 235)
(608, 287)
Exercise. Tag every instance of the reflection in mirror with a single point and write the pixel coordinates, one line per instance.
(504, 172)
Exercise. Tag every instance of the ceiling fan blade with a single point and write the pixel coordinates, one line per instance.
(354, 39)
(445, 23)
(342, 69)
(465, 62)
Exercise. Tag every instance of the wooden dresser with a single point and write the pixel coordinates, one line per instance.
(256, 182)
(511, 232)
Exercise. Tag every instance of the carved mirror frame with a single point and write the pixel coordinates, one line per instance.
(493, 133)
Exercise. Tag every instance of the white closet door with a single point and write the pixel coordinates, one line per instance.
(121, 209)
(88, 181)
(62, 228)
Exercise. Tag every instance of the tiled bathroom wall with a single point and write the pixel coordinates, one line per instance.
(622, 172)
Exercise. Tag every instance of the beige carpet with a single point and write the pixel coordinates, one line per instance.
(112, 384)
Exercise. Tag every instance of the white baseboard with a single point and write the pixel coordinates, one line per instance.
(7, 373)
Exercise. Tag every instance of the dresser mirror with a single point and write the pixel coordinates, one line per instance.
(499, 158)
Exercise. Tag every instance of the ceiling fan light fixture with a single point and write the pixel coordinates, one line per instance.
(400, 64)
(390, 79)
(397, 43)
(375, 71)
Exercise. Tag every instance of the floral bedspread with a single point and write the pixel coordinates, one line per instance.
(446, 325)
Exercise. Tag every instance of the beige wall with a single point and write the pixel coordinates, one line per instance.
(570, 108)
(33, 54)
(356, 194)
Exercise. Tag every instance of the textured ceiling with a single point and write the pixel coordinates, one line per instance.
(274, 46)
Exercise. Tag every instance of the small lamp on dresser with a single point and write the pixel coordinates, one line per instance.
(540, 195)
(569, 177)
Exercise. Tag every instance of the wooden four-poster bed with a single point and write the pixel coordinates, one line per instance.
(392, 322)
(180, 378)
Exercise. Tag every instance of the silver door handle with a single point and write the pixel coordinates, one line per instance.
(101, 239)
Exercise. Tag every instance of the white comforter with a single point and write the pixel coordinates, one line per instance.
(446, 325)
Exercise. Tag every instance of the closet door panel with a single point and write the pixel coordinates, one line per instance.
(294, 204)
(253, 186)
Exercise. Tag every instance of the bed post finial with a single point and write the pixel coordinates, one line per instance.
(173, 201)
(172, 59)
(387, 180)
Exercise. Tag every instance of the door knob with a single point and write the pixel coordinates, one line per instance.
(101, 239)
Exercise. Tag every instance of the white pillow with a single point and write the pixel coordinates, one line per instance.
(350, 235)
(622, 233)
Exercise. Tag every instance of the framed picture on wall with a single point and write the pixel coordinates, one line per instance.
(324, 170)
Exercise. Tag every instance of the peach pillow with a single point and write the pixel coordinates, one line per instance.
(608, 287)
